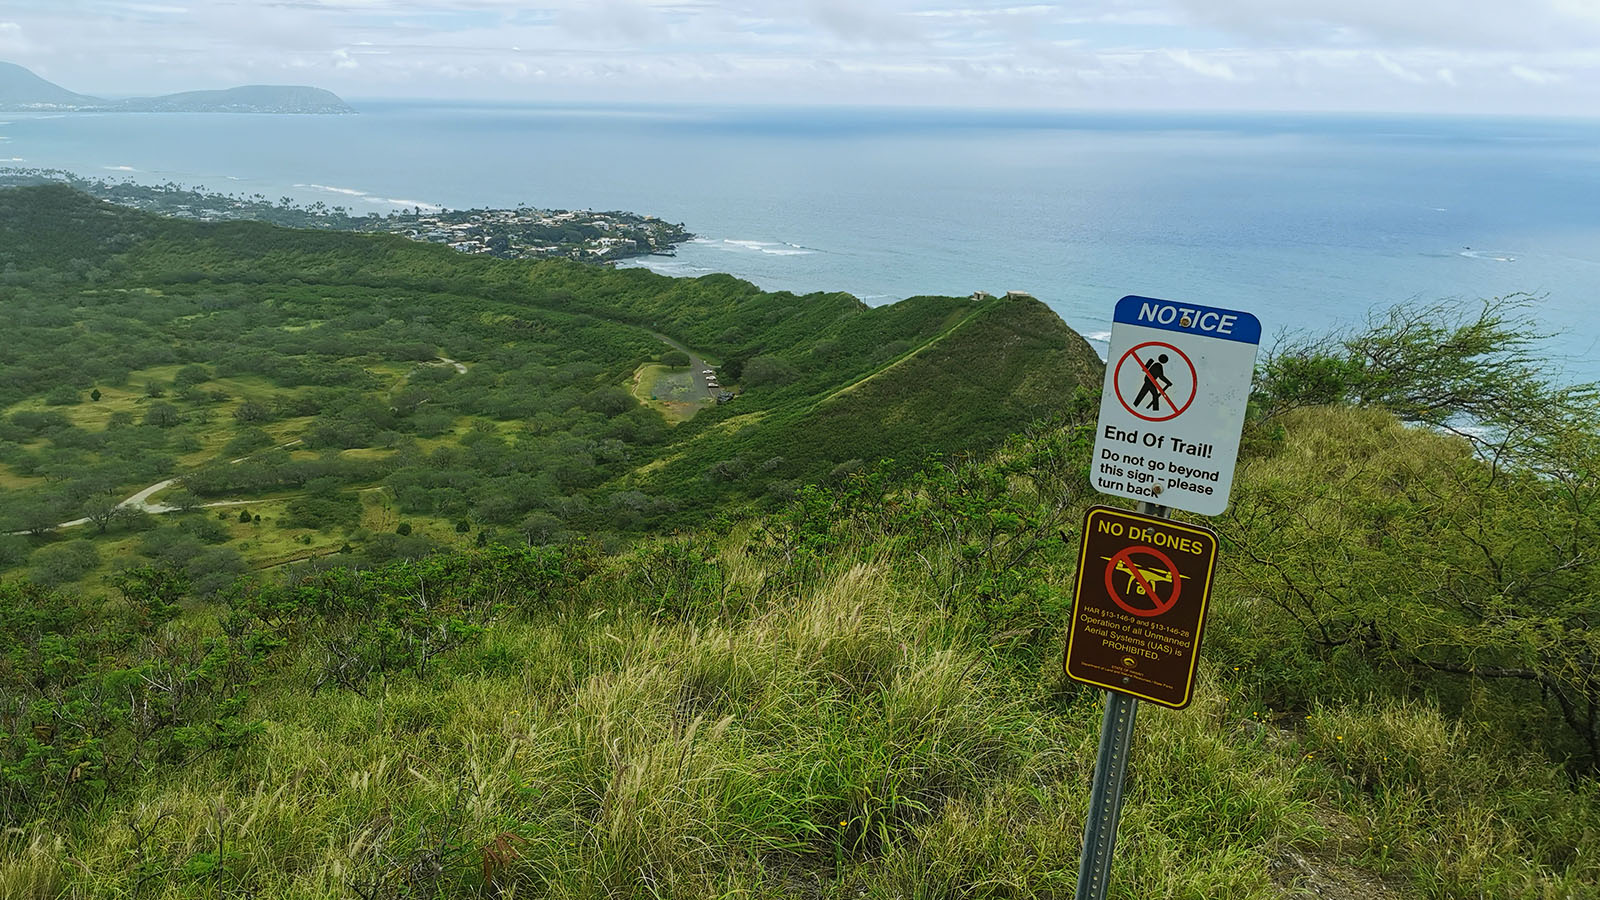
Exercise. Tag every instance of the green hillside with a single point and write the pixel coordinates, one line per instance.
(477, 624)
(345, 387)
(859, 696)
(994, 366)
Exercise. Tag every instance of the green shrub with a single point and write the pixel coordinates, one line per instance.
(767, 371)
(14, 550)
(56, 564)
(322, 512)
(63, 395)
(98, 703)
(248, 440)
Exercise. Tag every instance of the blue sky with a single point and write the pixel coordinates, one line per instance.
(1448, 56)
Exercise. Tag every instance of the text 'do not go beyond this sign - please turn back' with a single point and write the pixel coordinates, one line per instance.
(1177, 380)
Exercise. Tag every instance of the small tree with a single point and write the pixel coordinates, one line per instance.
(131, 518)
(38, 516)
(100, 510)
(191, 375)
(95, 395)
(768, 370)
(1463, 559)
(153, 591)
(1454, 366)
(251, 412)
(163, 415)
(64, 562)
(62, 395)
(183, 500)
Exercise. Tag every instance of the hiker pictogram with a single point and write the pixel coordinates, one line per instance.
(1154, 370)
(1159, 377)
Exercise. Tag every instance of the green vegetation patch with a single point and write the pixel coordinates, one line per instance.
(256, 363)
(673, 392)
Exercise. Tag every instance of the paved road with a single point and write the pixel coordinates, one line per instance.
(141, 500)
(697, 367)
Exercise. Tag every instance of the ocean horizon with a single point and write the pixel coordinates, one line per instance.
(1312, 222)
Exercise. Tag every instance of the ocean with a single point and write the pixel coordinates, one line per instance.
(1310, 222)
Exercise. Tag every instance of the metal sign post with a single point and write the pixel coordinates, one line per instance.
(1105, 798)
(1110, 772)
(1171, 412)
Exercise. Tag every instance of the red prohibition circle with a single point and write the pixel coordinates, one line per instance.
(1125, 555)
(1116, 381)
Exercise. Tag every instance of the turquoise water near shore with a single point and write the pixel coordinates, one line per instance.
(1308, 221)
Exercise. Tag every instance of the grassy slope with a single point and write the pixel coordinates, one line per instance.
(841, 743)
(1009, 361)
(46, 227)
(994, 367)
(821, 728)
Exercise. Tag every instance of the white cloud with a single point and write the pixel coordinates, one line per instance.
(863, 23)
(1202, 66)
(1476, 24)
(1535, 76)
(12, 39)
(1537, 55)
(1397, 70)
(627, 20)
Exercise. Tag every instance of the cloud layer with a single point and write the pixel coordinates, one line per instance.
(1540, 56)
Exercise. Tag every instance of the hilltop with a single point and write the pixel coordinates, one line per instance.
(253, 98)
(22, 91)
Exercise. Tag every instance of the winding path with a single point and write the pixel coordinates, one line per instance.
(141, 500)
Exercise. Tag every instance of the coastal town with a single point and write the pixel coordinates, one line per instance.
(527, 233)
(520, 233)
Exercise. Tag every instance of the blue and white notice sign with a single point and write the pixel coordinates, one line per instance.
(1177, 381)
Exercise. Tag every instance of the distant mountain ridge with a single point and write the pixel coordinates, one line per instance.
(23, 91)
(20, 88)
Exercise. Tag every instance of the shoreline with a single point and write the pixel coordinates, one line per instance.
(505, 233)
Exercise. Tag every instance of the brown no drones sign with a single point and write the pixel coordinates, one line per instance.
(1143, 586)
